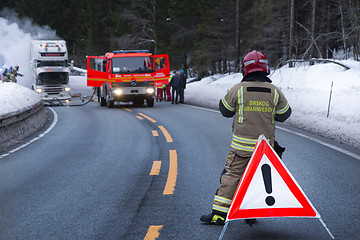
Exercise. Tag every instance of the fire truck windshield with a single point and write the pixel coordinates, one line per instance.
(53, 78)
(131, 65)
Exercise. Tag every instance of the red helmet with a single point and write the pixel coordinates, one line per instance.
(254, 62)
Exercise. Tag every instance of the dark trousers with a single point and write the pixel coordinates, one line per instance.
(175, 94)
(181, 93)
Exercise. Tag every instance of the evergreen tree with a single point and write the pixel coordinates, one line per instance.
(204, 36)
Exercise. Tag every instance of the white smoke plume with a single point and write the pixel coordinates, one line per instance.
(15, 37)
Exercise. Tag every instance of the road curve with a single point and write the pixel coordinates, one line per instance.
(103, 174)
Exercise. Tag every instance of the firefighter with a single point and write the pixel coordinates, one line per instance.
(14, 73)
(159, 93)
(175, 87)
(167, 89)
(255, 104)
(6, 77)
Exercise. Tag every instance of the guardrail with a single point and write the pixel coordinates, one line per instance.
(19, 116)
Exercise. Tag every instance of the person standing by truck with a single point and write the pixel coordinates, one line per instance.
(159, 93)
(183, 86)
(175, 87)
(168, 88)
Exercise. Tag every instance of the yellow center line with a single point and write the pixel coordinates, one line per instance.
(155, 170)
(172, 175)
(153, 232)
(166, 134)
(155, 133)
(139, 117)
(128, 109)
(152, 120)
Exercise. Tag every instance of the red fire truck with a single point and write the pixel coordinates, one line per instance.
(127, 76)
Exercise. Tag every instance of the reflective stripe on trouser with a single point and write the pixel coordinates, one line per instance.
(229, 180)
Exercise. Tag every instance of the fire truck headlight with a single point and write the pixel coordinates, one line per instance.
(67, 89)
(118, 91)
(150, 90)
(38, 90)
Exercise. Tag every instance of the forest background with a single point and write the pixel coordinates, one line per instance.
(202, 37)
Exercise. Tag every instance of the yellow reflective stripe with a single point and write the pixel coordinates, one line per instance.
(237, 143)
(282, 111)
(242, 147)
(223, 200)
(276, 98)
(244, 140)
(241, 105)
(226, 105)
(220, 209)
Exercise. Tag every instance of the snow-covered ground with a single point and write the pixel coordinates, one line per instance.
(307, 89)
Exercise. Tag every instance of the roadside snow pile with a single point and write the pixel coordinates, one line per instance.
(210, 90)
(16, 98)
(307, 89)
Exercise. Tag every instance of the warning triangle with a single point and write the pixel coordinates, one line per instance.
(267, 189)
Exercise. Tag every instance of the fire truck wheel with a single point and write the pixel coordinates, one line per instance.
(102, 101)
(110, 103)
(150, 102)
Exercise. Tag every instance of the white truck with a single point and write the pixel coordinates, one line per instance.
(49, 64)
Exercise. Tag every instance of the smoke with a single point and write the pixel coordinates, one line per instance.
(15, 37)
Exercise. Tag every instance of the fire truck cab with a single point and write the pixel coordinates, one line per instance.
(127, 76)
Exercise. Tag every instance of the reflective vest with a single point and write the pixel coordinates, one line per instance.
(255, 105)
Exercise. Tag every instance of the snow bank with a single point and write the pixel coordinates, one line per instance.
(16, 98)
(307, 89)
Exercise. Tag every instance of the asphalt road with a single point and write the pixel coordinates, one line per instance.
(89, 178)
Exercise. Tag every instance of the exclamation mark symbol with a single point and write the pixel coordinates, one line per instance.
(266, 172)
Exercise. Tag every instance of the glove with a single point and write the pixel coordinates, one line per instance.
(278, 149)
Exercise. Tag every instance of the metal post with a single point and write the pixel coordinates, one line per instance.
(223, 231)
(328, 111)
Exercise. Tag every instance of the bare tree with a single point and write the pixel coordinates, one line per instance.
(142, 18)
(343, 28)
(312, 34)
(291, 31)
(237, 36)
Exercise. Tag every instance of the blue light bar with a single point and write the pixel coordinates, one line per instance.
(130, 51)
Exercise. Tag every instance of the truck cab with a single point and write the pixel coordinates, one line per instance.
(49, 64)
(127, 76)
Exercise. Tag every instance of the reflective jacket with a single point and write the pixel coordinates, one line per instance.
(255, 104)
